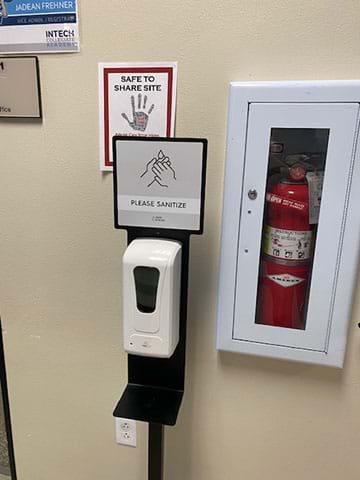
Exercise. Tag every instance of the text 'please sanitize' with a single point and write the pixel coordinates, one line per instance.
(157, 203)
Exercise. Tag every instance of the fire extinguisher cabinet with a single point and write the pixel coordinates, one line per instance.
(291, 220)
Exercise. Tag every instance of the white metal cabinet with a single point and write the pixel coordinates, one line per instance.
(316, 117)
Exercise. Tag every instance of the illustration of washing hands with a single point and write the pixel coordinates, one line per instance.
(159, 171)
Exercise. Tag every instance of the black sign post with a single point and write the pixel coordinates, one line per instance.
(156, 385)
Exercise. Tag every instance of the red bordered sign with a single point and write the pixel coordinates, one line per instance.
(136, 100)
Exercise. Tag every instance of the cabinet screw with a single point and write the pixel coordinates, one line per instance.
(252, 194)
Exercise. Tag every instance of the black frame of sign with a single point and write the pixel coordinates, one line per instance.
(156, 385)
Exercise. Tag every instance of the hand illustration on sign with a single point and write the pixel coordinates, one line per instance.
(140, 118)
(159, 170)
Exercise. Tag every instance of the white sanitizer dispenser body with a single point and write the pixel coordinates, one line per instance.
(151, 297)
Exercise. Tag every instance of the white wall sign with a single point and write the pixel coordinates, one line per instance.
(38, 27)
(20, 88)
(159, 183)
(135, 100)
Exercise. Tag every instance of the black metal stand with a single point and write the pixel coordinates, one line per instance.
(156, 385)
(156, 451)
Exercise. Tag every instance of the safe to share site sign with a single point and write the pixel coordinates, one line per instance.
(38, 27)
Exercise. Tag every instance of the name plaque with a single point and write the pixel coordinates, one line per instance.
(19, 87)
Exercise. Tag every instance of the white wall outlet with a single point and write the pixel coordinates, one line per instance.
(125, 431)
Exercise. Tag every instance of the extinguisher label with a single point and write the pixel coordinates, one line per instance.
(315, 181)
(286, 202)
(287, 244)
(286, 280)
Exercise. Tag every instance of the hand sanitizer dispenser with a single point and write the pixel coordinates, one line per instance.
(151, 297)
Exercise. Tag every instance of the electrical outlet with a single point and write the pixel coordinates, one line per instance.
(125, 431)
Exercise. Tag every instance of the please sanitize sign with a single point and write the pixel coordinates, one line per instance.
(39, 27)
(159, 182)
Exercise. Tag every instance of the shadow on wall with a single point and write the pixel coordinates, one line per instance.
(279, 368)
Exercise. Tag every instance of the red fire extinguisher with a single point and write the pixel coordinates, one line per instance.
(286, 253)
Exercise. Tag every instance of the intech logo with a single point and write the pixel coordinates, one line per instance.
(61, 38)
(57, 34)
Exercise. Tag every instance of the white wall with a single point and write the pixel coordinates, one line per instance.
(242, 417)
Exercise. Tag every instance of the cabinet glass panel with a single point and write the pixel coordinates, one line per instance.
(296, 166)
